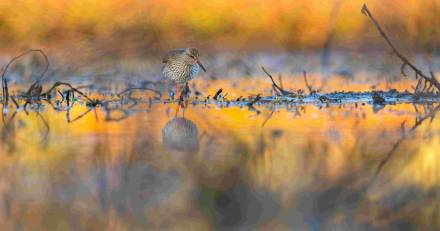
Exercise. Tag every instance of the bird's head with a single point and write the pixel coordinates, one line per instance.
(193, 55)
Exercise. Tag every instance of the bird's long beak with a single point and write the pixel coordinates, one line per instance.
(201, 65)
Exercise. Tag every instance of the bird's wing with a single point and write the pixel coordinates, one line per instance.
(172, 54)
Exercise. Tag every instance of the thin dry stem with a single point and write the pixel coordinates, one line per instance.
(5, 90)
(311, 91)
(90, 101)
(275, 85)
(418, 73)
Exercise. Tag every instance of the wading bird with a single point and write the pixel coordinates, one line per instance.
(181, 65)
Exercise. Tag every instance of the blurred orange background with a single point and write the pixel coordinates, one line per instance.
(139, 27)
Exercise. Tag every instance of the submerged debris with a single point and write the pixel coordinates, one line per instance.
(377, 98)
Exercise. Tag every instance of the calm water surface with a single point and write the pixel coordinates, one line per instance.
(348, 167)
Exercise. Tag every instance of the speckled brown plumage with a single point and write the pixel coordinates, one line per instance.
(181, 65)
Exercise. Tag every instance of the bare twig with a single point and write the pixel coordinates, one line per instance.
(311, 91)
(15, 102)
(278, 88)
(251, 101)
(55, 85)
(3, 78)
(90, 102)
(418, 73)
(217, 94)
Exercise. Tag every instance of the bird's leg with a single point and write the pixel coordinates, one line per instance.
(182, 96)
(177, 110)
(177, 91)
(177, 95)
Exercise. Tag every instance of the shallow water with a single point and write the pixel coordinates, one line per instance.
(303, 164)
(307, 167)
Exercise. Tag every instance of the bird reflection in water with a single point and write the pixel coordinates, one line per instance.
(180, 134)
(142, 188)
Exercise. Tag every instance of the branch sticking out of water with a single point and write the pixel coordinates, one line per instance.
(311, 91)
(275, 85)
(217, 94)
(431, 80)
(90, 102)
(5, 90)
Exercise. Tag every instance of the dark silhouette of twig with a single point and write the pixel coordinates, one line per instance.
(405, 62)
(275, 86)
(15, 102)
(311, 91)
(90, 102)
(217, 94)
(5, 90)
(251, 101)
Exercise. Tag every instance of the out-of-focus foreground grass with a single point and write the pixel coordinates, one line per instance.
(126, 26)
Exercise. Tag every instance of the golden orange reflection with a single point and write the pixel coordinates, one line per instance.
(52, 163)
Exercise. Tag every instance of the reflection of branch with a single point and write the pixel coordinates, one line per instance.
(431, 115)
(8, 131)
(389, 155)
(79, 117)
(139, 88)
(108, 116)
(431, 80)
(268, 118)
(6, 123)
(251, 101)
(46, 124)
